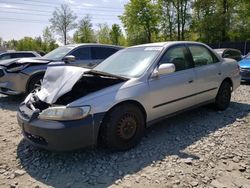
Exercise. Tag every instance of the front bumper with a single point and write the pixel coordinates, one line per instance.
(12, 83)
(245, 74)
(58, 135)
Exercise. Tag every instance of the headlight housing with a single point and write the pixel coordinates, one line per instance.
(18, 68)
(64, 113)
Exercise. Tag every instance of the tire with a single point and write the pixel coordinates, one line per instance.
(222, 100)
(35, 83)
(122, 128)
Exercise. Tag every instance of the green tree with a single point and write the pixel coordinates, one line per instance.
(167, 19)
(63, 21)
(49, 42)
(115, 34)
(140, 20)
(103, 34)
(85, 32)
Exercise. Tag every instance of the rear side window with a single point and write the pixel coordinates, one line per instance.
(101, 52)
(19, 55)
(202, 56)
(176, 55)
(82, 53)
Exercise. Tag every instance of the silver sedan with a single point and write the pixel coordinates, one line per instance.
(112, 104)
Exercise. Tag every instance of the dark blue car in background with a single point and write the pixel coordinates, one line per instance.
(245, 68)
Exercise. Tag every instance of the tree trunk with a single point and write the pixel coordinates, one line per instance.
(224, 26)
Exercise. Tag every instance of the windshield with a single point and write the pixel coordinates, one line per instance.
(58, 53)
(131, 62)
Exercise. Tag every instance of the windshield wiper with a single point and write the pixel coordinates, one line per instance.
(107, 74)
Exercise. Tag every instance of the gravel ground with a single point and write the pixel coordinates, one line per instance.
(200, 148)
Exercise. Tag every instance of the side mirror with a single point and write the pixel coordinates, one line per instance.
(163, 69)
(69, 59)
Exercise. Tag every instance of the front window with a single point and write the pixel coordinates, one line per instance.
(58, 53)
(131, 62)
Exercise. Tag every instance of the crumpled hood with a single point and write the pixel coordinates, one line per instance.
(57, 81)
(245, 63)
(8, 62)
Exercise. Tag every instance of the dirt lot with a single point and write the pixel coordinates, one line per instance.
(200, 148)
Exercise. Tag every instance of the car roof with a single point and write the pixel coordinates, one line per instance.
(165, 44)
(17, 52)
(94, 44)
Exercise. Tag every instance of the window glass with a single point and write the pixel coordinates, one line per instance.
(130, 62)
(58, 53)
(5, 56)
(18, 55)
(82, 53)
(101, 52)
(201, 56)
(176, 55)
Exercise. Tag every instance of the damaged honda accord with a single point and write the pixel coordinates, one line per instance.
(112, 104)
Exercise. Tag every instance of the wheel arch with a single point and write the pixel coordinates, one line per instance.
(32, 77)
(99, 130)
(134, 102)
(229, 80)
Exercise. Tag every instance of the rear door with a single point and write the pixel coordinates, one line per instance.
(172, 92)
(207, 68)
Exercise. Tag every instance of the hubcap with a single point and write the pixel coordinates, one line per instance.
(127, 127)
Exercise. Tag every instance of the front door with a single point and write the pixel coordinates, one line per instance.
(172, 92)
(82, 57)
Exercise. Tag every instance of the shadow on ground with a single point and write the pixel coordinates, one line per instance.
(101, 168)
(10, 102)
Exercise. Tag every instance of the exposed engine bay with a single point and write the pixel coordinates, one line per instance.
(63, 85)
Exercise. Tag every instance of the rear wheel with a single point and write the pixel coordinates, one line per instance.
(223, 97)
(35, 83)
(123, 127)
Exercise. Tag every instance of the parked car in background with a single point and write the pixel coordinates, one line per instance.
(18, 54)
(135, 87)
(23, 75)
(245, 68)
(229, 53)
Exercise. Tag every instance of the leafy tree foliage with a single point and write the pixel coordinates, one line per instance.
(115, 34)
(63, 21)
(140, 21)
(103, 34)
(85, 32)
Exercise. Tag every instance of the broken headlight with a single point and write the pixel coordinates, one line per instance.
(17, 68)
(64, 113)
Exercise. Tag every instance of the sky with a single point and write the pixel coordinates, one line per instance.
(20, 18)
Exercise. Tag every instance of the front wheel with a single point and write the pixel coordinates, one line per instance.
(123, 127)
(223, 97)
(35, 83)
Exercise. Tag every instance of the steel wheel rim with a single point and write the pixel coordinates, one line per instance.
(127, 126)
